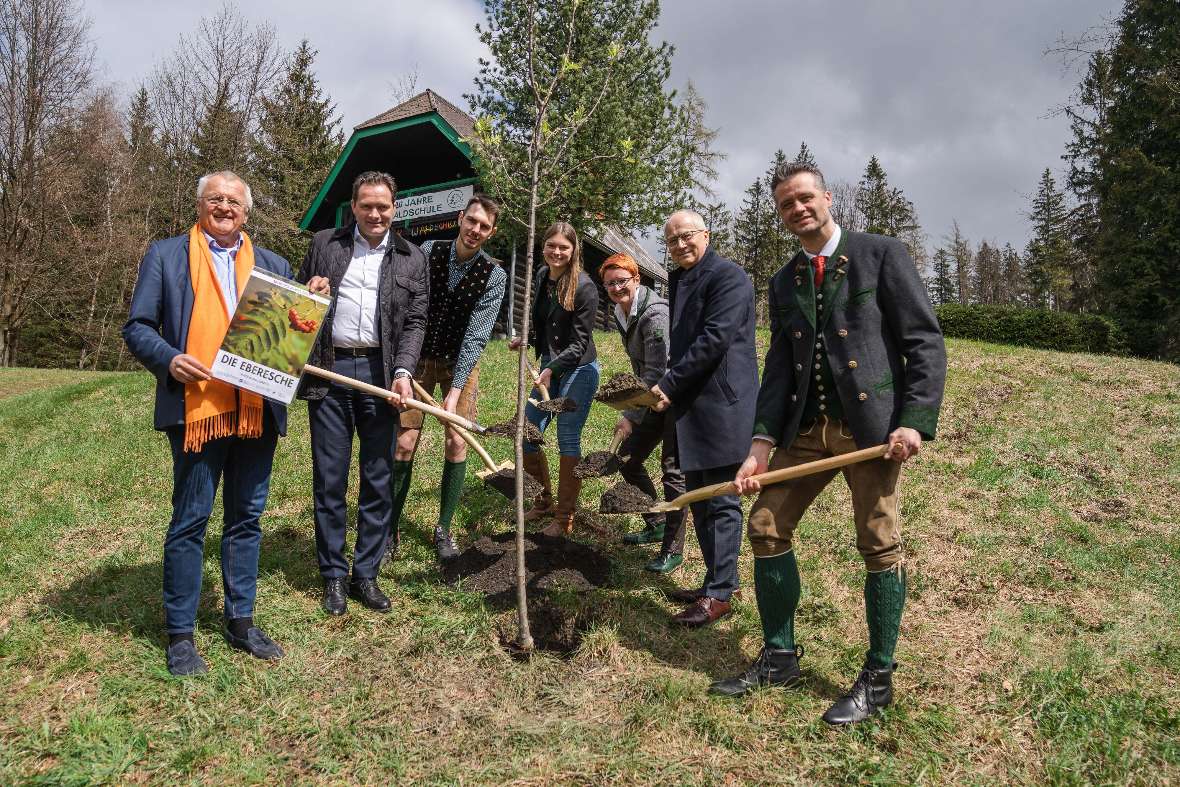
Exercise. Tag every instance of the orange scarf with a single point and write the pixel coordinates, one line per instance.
(213, 409)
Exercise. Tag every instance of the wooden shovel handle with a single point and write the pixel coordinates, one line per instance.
(536, 379)
(374, 390)
(776, 476)
(615, 442)
(468, 438)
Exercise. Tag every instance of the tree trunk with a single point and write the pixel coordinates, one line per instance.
(524, 638)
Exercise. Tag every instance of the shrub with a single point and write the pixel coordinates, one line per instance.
(1049, 330)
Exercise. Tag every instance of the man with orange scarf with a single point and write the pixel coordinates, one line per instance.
(184, 297)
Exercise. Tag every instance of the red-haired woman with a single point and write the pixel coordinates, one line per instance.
(641, 317)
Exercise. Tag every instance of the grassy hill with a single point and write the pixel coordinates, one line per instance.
(1041, 641)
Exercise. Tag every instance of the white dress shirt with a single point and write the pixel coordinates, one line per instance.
(355, 323)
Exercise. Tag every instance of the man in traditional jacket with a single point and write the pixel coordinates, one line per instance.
(466, 291)
(187, 290)
(856, 359)
(711, 386)
(372, 333)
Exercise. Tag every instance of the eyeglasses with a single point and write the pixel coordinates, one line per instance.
(682, 238)
(227, 201)
(618, 284)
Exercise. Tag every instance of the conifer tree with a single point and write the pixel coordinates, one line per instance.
(1137, 180)
(298, 141)
(1013, 276)
(1049, 251)
(962, 258)
(804, 155)
(987, 277)
(942, 284)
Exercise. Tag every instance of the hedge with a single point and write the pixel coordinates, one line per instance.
(1049, 330)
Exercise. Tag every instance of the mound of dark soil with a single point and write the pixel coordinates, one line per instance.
(508, 429)
(504, 482)
(620, 387)
(489, 566)
(597, 464)
(622, 498)
(553, 628)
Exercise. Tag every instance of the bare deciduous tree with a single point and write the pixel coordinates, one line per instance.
(45, 67)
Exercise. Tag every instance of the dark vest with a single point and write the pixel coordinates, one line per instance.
(450, 310)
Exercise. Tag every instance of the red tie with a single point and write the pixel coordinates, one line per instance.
(819, 261)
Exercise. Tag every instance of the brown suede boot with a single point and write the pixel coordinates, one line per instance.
(568, 488)
(538, 467)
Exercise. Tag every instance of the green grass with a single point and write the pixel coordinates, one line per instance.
(1041, 642)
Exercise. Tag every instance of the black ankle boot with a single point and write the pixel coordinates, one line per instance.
(872, 691)
(771, 668)
(444, 546)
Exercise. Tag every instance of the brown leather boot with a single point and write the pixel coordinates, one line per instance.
(568, 488)
(537, 466)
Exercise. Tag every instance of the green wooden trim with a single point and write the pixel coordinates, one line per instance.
(431, 117)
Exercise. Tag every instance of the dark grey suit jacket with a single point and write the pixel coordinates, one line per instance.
(880, 335)
(403, 298)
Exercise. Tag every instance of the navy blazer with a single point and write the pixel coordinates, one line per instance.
(156, 330)
(712, 377)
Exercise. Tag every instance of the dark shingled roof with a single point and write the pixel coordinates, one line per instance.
(426, 101)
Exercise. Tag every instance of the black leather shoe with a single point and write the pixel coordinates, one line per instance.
(183, 660)
(255, 643)
(444, 545)
(367, 592)
(773, 667)
(334, 602)
(872, 691)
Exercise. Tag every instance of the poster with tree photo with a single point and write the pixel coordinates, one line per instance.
(270, 336)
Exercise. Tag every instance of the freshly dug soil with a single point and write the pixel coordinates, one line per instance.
(508, 429)
(621, 386)
(562, 404)
(489, 566)
(554, 628)
(504, 482)
(622, 498)
(597, 464)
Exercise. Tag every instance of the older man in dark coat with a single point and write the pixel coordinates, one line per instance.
(373, 333)
(711, 386)
(856, 359)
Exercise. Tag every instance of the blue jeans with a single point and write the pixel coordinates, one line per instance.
(579, 385)
(245, 465)
(334, 419)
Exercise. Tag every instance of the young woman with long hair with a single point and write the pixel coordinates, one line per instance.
(565, 303)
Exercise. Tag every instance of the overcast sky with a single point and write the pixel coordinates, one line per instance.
(954, 97)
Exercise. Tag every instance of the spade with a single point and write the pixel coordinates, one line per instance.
(501, 477)
(601, 463)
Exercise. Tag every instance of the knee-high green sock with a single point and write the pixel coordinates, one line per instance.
(452, 488)
(400, 486)
(884, 600)
(777, 587)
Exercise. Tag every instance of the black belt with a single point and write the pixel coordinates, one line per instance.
(357, 352)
